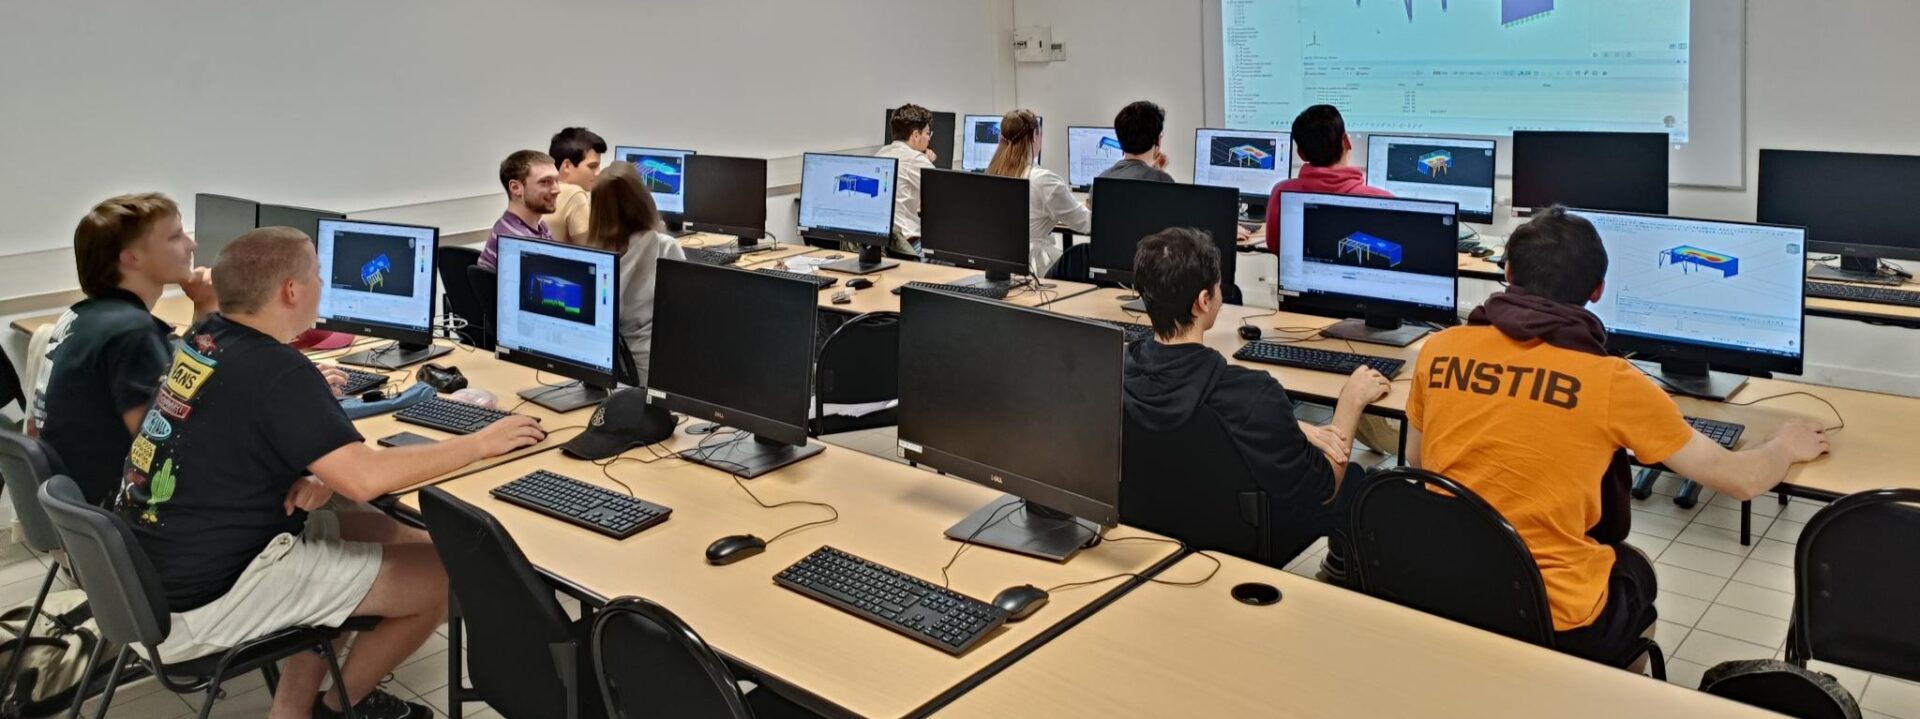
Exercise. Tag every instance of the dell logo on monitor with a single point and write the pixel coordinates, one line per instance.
(996, 479)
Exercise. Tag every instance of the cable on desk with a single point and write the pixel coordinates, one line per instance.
(737, 437)
(1217, 564)
(992, 519)
(1836, 410)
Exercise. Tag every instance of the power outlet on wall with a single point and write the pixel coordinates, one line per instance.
(1057, 52)
(1033, 44)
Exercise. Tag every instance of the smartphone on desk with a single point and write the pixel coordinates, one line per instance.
(404, 439)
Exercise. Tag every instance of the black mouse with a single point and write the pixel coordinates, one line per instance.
(859, 283)
(1481, 252)
(734, 547)
(1249, 332)
(1020, 602)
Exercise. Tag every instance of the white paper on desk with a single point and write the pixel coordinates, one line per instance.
(856, 410)
(803, 263)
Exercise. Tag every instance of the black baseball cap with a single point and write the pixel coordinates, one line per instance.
(621, 423)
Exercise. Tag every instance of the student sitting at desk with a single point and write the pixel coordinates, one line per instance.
(1050, 200)
(224, 482)
(911, 129)
(626, 221)
(1139, 128)
(577, 152)
(1524, 406)
(533, 187)
(1320, 138)
(1174, 375)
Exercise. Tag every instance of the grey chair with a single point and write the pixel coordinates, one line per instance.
(130, 608)
(25, 464)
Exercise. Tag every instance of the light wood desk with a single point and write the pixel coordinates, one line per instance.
(828, 659)
(1165, 651)
(880, 297)
(781, 250)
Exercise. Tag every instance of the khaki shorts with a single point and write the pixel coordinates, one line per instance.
(313, 579)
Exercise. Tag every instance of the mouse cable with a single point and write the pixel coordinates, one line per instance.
(702, 447)
(1217, 564)
(1835, 410)
(992, 519)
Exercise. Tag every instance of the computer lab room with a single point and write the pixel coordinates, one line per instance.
(588, 359)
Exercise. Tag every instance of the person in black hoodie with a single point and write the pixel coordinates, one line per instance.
(1302, 467)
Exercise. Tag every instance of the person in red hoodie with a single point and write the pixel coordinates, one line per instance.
(1320, 137)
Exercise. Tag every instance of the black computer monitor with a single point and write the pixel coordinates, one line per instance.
(1379, 259)
(1856, 205)
(735, 348)
(558, 311)
(1090, 151)
(1251, 161)
(304, 219)
(849, 198)
(1694, 294)
(979, 139)
(664, 172)
(943, 134)
(1456, 170)
(218, 220)
(975, 220)
(377, 280)
(1613, 171)
(1023, 401)
(727, 195)
(1129, 210)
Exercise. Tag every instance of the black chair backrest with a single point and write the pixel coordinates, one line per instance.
(122, 589)
(480, 281)
(652, 664)
(10, 389)
(453, 262)
(1781, 687)
(513, 623)
(1851, 605)
(1192, 484)
(1426, 542)
(861, 361)
(25, 464)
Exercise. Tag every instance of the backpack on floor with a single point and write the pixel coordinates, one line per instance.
(52, 658)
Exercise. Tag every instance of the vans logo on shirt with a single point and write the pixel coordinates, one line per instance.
(190, 370)
(1558, 389)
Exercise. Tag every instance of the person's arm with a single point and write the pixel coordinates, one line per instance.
(1364, 387)
(1749, 473)
(1067, 211)
(134, 363)
(1413, 446)
(199, 288)
(576, 219)
(362, 473)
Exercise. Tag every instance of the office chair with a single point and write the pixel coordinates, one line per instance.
(130, 608)
(649, 663)
(461, 299)
(528, 659)
(1850, 605)
(859, 363)
(1781, 687)
(1075, 265)
(1422, 540)
(1192, 484)
(10, 389)
(25, 464)
(481, 281)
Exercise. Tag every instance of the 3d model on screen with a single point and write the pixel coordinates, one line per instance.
(869, 186)
(660, 175)
(1436, 163)
(1686, 255)
(1365, 247)
(374, 273)
(1250, 156)
(558, 294)
(1112, 143)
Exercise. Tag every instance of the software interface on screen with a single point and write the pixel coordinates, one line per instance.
(664, 172)
(376, 273)
(848, 193)
(979, 137)
(1090, 151)
(1432, 168)
(1377, 248)
(1251, 160)
(561, 302)
(1720, 284)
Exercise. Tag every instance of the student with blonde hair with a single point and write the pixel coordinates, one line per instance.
(1050, 200)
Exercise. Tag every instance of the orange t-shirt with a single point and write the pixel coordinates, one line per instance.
(1532, 428)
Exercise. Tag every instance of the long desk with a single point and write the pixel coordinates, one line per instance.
(1167, 651)
(880, 297)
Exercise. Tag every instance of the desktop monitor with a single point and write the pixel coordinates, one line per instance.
(975, 220)
(1129, 210)
(735, 348)
(1613, 171)
(377, 280)
(1856, 205)
(557, 312)
(943, 134)
(979, 137)
(1698, 293)
(218, 220)
(304, 219)
(1380, 260)
(1090, 151)
(727, 195)
(1024, 401)
(665, 173)
(1251, 161)
(849, 198)
(1452, 170)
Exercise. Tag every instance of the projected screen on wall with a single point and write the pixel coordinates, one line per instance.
(1463, 67)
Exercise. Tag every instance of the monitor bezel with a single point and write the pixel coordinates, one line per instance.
(749, 422)
(664, 215)
(1227, 246)
(550, 363)
(1520, 203)
(366, 328)
(1854, 249)
(1017, 266)
(1493, 190)
(837, 234)
(741, 231)
(1200, 132)
(1346, 306)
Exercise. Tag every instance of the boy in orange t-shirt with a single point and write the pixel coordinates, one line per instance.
(1524, 406)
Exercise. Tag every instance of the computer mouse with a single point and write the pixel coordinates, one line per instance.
(859, 283)
(1249, 333)
(1481, 252)
(1020, 602)
(733, 548)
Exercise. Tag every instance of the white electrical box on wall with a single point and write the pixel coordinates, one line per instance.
(1033, 44)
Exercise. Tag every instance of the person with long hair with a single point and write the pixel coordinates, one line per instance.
(624, 219)
(1050, 201)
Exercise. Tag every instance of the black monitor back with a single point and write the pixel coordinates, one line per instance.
(1851, 203)
(727, 195)
(734, 347)
(974, 220)
(304, 219)
(943, 134)
(1128, 210)
(1615, 171)
(218, 220)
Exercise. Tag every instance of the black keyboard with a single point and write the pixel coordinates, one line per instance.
(1725, 433)
(943, 618)
(1466, 246)
(358, 381)
(711, 257)
(449, 416)
(573, 501)
(1135, 331)
(993, 293)
(1287, 355)
(1863, 293)
(819, 281)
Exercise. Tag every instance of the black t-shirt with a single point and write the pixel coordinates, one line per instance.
(110, 361)
(235, 425)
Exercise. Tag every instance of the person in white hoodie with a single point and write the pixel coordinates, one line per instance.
(1050, 201)
(625, 220)
(911, 129)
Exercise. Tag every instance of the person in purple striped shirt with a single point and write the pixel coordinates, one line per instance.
(533, 186)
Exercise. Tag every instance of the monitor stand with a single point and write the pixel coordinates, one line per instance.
(871, 260)
(1133, 302)
(677, 229)
(752, 456)
(1377, 330)
(566, 397)
(394, 355)
(991, 279)
(1854, 268)
(1030, 529)
(1692, 378)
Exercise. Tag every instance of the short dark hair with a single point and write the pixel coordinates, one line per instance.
(107, 230)
(906, 120)
(1318, 134)
(1557, 256)
(1170, 269)
(572, 144)
(1139, 126)
(518, 164)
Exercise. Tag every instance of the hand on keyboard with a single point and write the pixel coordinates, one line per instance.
(513, 432)
(1366, 386)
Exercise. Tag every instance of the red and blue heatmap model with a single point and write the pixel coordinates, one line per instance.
(1686, 255)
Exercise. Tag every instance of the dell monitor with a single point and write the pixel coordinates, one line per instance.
(1129, 210)
(218, 220)
(849, 198)
(1697, 293)
(1090, 151)
(1446, 169)
(727, 195)
(1856, 205)
(975, 220)
(665, 173)
(1379, 260)
(1613, 171)
(557, 312)
(1020, 400)
(1251, 161)
(941, 144)
(980, 137)
(304, 219)
(735, 348)
(377, 280)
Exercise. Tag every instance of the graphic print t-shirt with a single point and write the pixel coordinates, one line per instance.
(235, 423)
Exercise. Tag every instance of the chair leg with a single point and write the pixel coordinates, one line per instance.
(271, 672)
(86, 679)
(1746, 523)
(339, 684)
(26, 631)
(113, 682)
(456, 649)
(1656, 660)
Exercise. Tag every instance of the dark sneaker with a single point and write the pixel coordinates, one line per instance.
(378, 705)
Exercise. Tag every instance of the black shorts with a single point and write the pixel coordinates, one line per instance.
(1610, 639)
